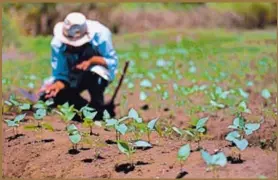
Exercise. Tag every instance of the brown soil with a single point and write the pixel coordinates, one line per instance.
(48, 156)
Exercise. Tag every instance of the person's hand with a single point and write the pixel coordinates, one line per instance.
(53, 89)
(84, 65)
(96, 60)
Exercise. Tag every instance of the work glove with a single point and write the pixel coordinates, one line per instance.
(53, 89)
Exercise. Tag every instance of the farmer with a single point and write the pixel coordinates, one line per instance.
(83, 58)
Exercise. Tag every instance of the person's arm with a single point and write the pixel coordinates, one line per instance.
(60, 72)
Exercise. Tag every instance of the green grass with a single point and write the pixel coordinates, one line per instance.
(227, 59)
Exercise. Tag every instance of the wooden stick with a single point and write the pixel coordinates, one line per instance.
(120, 82)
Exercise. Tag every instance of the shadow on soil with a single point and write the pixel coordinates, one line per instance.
(73, 151)
(90, 160)
(181, 174)
(110, 142)
(41, 141)
(234, 160)
(127, 167)
(14, 137)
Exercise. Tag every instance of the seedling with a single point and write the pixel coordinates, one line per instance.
(44, 105)
(14, 124)
(127, 150)
(183, 154)
(241, 129)
(119, 127)
(74, 135)
(15, 105)
(214, 161)
(39, 115)
(197, 130)
(88, 114)
(67, 112)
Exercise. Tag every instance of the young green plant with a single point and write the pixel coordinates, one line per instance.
(14, 124)
(214, 161)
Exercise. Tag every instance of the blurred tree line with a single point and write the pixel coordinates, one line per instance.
(40, 18)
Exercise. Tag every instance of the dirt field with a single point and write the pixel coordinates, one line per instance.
(228, 60)
(29, 157)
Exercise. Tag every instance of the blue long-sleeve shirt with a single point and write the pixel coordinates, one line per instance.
(63, 62)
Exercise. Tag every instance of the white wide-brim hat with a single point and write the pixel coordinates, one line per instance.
(74, 30)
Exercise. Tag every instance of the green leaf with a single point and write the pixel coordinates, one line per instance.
(142, 144)
(40, 114)
(201, 123)
(31, 127)
(143, 96)
(8, 103)
(249, 128)
(243, 107)
(106, 115)
(241, 144)
(123, 147)
(11, 123)
(69, 116)
(49, 102)
(152, 123)
(75, 138)
(122, 128)
(243, 93)
(201, 130)
(25, 106)
(48, 126)
(215, 104)
(133, 114)
(19, 117)
(232, 135)
(98, 123)
(265, 94)
(71, 128)
(206, 156)
(146, 83)
(123, 119)
(177, 130)
(111, 122)
(219, 159)
(189, 133)
(184, 152)
(39, 105)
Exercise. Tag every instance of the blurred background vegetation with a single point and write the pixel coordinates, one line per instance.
(38, 19)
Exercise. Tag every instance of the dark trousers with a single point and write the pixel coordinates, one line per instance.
(95, 85)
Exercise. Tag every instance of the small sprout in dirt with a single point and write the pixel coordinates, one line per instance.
(151, 126)
(119, 127)
(88, 115)
(142, 144)
(14, 105)
(44, 105)
(197, 130)
(146, 83)
(15, 123)
(240, 124)
(243, 93)
(242, 108)
(74, 135)
(128, 150)
(133, 114)
(265, 94)
(67, 112)
(39, 115)
(217, 105)
(183, 154)
(214, 161)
